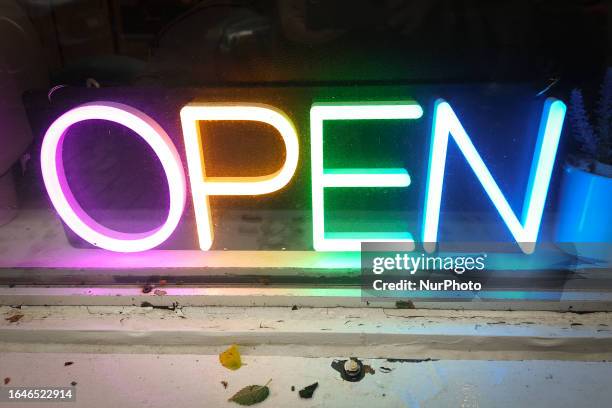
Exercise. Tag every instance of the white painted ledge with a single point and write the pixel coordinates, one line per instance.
(311, 332)
(266, 296)
(194, 381)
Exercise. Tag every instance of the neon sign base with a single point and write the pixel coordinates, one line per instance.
(281, 278)
(49, 249)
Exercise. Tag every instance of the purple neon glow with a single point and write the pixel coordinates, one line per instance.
(68, 207)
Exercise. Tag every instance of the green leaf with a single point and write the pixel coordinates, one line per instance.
(251, 394)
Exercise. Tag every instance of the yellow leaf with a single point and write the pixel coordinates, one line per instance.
(230, 358)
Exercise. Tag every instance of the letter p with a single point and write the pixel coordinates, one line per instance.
(202, 187)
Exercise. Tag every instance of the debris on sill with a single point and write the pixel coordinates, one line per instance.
(411, 360)
(251, 394)
(404, 304)
(173, 307)
(230, 358)
(14, 318)
(352, 370)
(307, 392)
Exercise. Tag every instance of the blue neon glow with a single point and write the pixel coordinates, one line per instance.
(525, 232)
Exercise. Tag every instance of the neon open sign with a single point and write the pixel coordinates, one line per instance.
(445, 126)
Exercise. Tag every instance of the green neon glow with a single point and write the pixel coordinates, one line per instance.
(366, 171)
(353, 177)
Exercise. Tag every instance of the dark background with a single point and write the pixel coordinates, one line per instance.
(194, 41)
(495, 61)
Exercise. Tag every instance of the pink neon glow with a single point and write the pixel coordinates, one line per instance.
(67, 206)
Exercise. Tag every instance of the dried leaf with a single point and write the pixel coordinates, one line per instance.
(251, 394)
(230, 358)
(14, 318)
(7, 380)
(307, 392)
(368, 369)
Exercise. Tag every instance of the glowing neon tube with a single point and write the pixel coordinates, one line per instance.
(68, 207)
(525, 232)
(373, 177)
(202, 187)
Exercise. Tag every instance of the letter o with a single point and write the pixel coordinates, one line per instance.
(67, 206)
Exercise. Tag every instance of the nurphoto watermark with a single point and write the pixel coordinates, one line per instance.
(465, 271)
